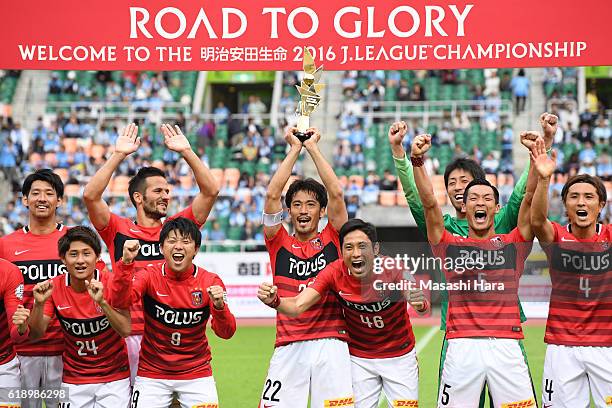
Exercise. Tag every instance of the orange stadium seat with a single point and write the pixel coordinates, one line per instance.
(357, 179)
(70, 144)
(492, 178)
(232, 176)
(72, 190)
(387, 198)
(401, 200)
(62, 173)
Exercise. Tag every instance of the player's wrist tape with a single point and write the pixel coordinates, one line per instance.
(276, 302)
(417, 161)
(271, 220)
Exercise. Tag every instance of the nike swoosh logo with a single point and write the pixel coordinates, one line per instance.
(341, 293)
(63, 307)
(133, 230)
(567, 240)
(160, 294)
(296, 246)
(21, 252)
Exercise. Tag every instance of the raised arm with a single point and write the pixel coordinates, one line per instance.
(510, 212)
(396, 135)
(336, 207)
(38, 321)
(176, 141)
(544, 167)
(223, 321)
(119, 319)
(274, 193)
(433, 214)
(524, 216)
(98, 210)
(290, 306)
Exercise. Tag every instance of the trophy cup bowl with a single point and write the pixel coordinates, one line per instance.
(310, 97)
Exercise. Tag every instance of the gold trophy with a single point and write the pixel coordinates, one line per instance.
(310, 97)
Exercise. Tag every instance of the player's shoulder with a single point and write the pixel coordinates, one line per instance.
(204, 275)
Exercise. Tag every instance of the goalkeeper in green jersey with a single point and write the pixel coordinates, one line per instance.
(457, 175)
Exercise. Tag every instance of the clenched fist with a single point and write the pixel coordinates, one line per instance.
(130, 251)
(42, 291)
(267, 293)
(20, 319)
(217, 296)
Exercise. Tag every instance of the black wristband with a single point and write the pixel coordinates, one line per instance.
(417, 161)
(275, 303)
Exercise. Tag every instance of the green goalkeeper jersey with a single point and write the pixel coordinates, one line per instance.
(505, 219)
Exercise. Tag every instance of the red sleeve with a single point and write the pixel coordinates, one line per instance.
(223, 321)
(273, 244)
(186, 213)
(516, 236)
(439, 249)
(49, 307)
(120, 286)
(108, 233)
(556, 229)
(324, 281)
(13, 297)
(2, 248)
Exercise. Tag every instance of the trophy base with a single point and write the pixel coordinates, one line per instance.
(302, 136)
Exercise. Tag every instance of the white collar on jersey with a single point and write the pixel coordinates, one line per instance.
(59, 226)
(96, 276)
(568, 227)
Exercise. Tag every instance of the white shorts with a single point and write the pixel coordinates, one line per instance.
(320, 368)
(154, 393)
(40, 372)
(9, 380)
(133, 352)
(113, 394)
(398, 377)
(470, 362)
(569, 373)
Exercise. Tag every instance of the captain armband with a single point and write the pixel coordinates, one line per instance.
(271, 220)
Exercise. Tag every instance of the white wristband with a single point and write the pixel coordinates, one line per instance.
(270, 220)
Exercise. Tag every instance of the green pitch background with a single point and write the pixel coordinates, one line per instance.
(240, 364)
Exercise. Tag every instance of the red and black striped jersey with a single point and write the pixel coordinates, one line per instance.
(121, 229)
(11, 293)
(294, 266)
(38, 259)
(94, 352)
(580, 309)
(177, 309)
(377, 320)
(482, 278)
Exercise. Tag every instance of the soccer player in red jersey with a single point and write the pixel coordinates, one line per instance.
(33, 249)
(483, 271)
(149, 192)
(311, 356)
(13, 328)
(578, 329)
(178, 298)
(381, 338)
(96, 369)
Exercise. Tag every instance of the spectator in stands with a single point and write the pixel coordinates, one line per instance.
(432, 164)
(504, 84)
(21, 139)
(588, 167)
(8, 161)
(417, 93)
(70, 86)
(55, 85)
(221, 113)
(490, 164)
(403, 91)
(446, 134)
(237, 217)
(256, 108)
(448, 76)
(458, 152)
(476, 154)
(604, 166)
(587, 154)
(461, 121)
(601, 133)
(357, 136)
(348, 81)
(352, 206)
(357, 159)
(478, 98)
(520, 90)
(217, 234)
(249, 150)
(72, 128)
(370, 191)
(389, 181)
(572, 165)
(505, 188)
(492, 82)
(492, 119)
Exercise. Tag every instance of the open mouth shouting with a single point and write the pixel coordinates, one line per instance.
(582, 215)
(480, 216)
(358, 265)
(459, 197)
(303, 221)
(178, 258)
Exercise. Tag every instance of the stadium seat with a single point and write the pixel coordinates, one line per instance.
(357, 179)
(387, 198)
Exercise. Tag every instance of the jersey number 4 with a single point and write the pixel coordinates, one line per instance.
(87, 346)
(376, 321)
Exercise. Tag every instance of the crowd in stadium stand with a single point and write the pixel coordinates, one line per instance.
(244, 153)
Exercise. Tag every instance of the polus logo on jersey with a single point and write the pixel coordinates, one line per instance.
(520, 404)
(196, 298)
(340, 402)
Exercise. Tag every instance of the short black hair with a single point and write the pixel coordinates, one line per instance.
(358, 224)
(468, 165)
(138, 182)
(309, 185)
(585, 178)
(185, 226)
(79, 234)
(46, 175)
(480, 182)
